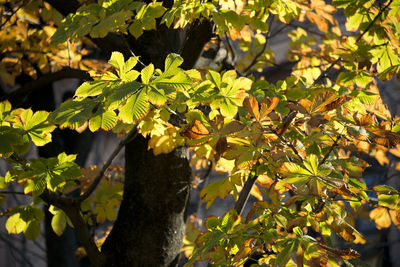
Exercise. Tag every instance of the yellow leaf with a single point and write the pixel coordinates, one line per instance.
(381, 217)
(162, 144)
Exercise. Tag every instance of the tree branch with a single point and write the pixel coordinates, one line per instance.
(330, 150)
(39, 83)
(131, 135)
(245, 193)
(73, 212)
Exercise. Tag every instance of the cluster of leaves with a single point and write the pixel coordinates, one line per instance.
(25, 44)
(299, 139)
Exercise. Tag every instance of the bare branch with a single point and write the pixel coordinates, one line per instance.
(12, 14)
(245, 193)
(65, 73)
(330, 150)
(73, 212)
(131, 135)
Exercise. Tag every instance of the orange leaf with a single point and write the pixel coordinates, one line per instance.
(195, 130)
(251, 105)
(267, 106)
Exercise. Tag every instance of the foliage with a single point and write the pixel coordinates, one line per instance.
(300, 139)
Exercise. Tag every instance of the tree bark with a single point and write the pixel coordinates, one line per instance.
(151, 221)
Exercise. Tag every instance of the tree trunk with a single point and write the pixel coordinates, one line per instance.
(151, 221)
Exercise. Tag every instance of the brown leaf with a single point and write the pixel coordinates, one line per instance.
(217, 122)
(195, 130)
(316, 120)
(337, 103)
(346, 254)
(267, 106)
(220, 147)
(297, 107)
(232, 127)
(251, 105)
(321, 100)
(365, 120)
(385, 138)
(286, 122)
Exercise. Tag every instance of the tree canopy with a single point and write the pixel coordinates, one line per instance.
(296, 145)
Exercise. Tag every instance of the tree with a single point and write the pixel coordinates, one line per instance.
(296, 144)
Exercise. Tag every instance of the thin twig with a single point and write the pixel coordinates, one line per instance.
(330, 150)
(323, 74)
(245, 193)
(131, 135)
(374, 20)
(12, 14)
(14, 193)
(69, 54)
(130, 50)
(230, 46)
(255, 60)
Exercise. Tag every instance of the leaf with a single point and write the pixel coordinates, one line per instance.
(381, 217)
(105, 120)
(73, 114)
(156, 96)
(135, 108)
(15, 224)
(32, 230)
(285, 254)
(162, 144)
(250, 103)
(172, 62)
(147, 73)
(195, 130)
(117, 60)
(90, 89)
(37, 126)
(215, 78)
(221, 189)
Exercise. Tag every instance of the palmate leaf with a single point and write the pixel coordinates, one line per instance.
(104, 120)
(156, 96)
(119, 93)
(135, 107)
(25, 219)
(36, 126)
(9, 139)
(51, 173)
(90, 89)
(73, 114)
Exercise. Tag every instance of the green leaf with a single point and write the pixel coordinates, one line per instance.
(156, 96)
(285, 255)
(37, 126)
(9, 138)
(147, 73)
(32, 230)
(135, 108)
(311, 163)
(215, 78)
(15, 224)
(73, 114)
(172, 62)
(105, 120)
(390, 201)
(59, 222)
(117, 60)
(90, 89)
(111, 24)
